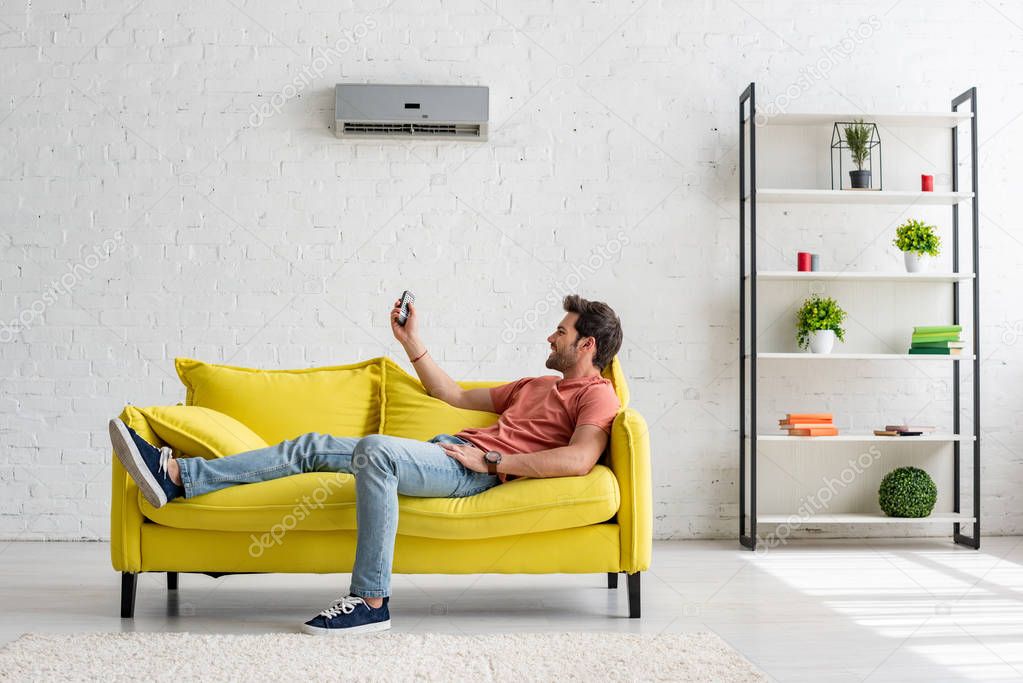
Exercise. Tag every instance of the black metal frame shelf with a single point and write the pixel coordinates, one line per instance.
(748, 274)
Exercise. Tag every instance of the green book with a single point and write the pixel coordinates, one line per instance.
(927, 329)
(937, 337)
(930, 352)
(939, 345)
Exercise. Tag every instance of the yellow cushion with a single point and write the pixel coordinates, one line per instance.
(202, 432)
(614, 372)
(342, 400)
(325, 501)
(408, 411)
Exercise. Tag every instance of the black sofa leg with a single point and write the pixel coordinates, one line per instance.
(172, 581)
(612, 579)
(129, 581)
(633, 581)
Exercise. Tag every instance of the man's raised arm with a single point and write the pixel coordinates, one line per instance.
(437, 382)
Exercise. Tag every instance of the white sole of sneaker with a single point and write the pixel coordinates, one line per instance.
(128, 453)
(352, 630)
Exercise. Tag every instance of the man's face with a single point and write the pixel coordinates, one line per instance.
(564, 353)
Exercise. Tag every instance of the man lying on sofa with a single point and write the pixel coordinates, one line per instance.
(548, 427)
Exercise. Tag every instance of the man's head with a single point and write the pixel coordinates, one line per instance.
(589, 334)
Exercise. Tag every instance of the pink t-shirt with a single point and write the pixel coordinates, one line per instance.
(540, 413)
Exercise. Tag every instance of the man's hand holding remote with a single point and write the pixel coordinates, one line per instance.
(436, 382)
(407, 334)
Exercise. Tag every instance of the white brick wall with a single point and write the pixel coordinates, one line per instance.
(261, 239)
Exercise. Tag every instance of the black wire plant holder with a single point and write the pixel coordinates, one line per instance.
(838, 147)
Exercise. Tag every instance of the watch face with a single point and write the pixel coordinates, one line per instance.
(493, 456)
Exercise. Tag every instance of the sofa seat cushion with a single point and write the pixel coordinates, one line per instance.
(325, 501)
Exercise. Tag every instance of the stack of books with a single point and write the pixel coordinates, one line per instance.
(809, 424)
(903, 430)
(943, 340)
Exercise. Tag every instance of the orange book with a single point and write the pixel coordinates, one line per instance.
(819, 431)
(809, 425)
(806, 417)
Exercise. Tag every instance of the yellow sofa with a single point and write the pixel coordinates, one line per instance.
(598, 523)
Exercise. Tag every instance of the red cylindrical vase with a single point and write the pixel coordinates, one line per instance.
(803, 260)
(927, 183)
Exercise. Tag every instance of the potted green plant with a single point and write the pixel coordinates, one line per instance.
(857, 137)
(818, 321)
(918, 242)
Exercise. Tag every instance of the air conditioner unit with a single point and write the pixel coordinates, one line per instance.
(411, 111)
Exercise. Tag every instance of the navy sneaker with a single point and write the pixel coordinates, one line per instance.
(348, 615)
(146, 464)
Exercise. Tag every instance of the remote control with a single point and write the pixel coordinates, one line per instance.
(407, 298)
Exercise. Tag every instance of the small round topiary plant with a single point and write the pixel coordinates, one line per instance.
(907, 492)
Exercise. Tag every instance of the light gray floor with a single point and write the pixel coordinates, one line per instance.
(821, 610)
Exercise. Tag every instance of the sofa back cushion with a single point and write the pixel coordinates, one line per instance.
(614, 372)
(409, 412)
(201, 432)
(372, 396)
(342, 400)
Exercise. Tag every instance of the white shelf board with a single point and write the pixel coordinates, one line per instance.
(794, 275)
(861, 356)
(940, 438)
(947, 119)
(908, 198)
(864, 518)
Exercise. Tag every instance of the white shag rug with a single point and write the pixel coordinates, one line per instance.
(389, 656)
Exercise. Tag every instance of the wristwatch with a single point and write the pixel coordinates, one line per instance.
(493, 459)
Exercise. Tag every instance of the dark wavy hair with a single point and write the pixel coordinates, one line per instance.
(597, 320)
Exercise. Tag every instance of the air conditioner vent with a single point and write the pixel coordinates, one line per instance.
(460, 130)
(435, 112)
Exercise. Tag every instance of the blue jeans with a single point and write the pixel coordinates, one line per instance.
(384, 466)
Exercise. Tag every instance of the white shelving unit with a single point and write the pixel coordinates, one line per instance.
(750, 196)
(914, 120)
(822, 357)
(852, 276)
(824, 441)
(864, 518)
(874, 197)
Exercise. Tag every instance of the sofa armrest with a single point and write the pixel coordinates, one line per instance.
(125, 514)
(630, 462)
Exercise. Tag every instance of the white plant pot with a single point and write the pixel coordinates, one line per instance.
(822, 341)
(916, 263)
